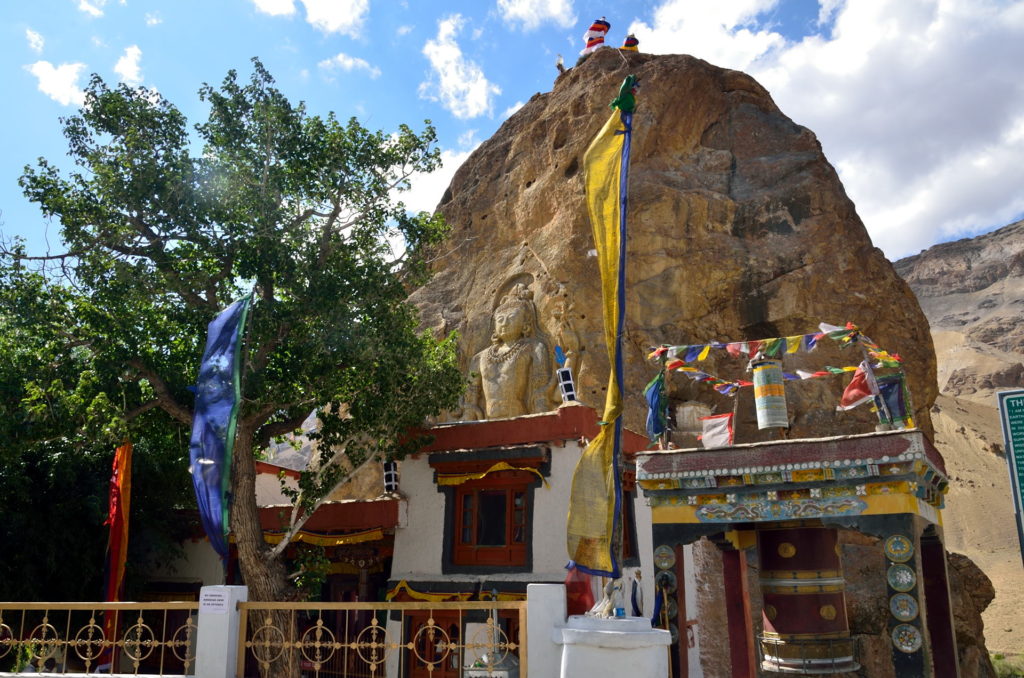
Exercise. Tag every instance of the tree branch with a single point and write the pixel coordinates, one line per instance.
(141, 409)
(278, 428)
(298, 521)
(163, 394)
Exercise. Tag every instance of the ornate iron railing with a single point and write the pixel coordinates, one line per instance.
(98, 638)
(392, 640)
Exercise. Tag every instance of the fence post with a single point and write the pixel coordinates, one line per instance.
(545, 611)
(217, 642)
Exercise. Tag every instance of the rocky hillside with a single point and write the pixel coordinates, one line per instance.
(973, 294)
(739, 229)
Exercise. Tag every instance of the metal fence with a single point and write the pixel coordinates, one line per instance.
(392, 640)
(155, 639)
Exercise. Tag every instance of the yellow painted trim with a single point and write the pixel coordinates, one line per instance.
(742, 539)
(459, 478)
(327, 540)
(877, 505)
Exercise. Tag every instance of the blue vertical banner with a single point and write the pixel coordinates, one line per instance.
(218, 395)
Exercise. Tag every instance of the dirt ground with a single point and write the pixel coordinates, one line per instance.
(979, 519)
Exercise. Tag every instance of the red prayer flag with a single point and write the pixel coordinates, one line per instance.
(117, 548)
(858, 392)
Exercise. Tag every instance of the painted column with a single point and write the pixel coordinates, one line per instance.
(938, 612)
(737, 610)
(804, 614)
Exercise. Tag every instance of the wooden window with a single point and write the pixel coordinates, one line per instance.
(491, 520)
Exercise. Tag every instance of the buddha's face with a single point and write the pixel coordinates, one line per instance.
(509, 323)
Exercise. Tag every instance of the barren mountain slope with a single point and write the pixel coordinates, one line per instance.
(973, 294)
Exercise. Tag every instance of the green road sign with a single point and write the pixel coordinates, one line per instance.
(1011, 416)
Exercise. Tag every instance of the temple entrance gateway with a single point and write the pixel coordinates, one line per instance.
(783, 507)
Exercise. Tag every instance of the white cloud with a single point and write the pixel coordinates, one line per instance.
(720, 32)
(458, 83)
(512, 109)
(918, 104)
(427, 189)
(97, 41)
(531, 14)
(337, 16)
(275, 7)
(330, 16)
(60, 83)
(345, 62)
(35, 41)
(127, 67)
(93, 9)
(404, 30)
(153, 19)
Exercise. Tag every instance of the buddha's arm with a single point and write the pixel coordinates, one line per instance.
(472, 409)
(541, 378)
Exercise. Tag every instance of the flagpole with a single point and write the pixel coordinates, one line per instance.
(872, 384)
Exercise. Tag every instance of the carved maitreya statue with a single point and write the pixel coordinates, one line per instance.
(512, 376)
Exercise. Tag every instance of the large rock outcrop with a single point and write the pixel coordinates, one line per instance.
(739, 229)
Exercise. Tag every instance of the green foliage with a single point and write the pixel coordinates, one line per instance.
(1008, 667)
(312, 564)
(298, 207)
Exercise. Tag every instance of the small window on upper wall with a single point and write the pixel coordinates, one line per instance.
(491, 520)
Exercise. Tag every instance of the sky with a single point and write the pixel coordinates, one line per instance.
(919, 104)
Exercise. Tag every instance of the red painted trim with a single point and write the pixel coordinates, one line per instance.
(737, 609)
(938, 613)
(870, 445)
(682, 616)
(345, 516)
(264, 467)
(568, 422)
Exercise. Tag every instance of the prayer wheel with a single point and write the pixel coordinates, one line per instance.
(769, 394)
(804, 614)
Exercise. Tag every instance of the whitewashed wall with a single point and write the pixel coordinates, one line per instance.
(419, 544)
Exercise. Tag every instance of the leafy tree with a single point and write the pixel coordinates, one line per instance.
(164, 229)
(54, 470)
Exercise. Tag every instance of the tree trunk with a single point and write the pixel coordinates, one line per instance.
(265, 575)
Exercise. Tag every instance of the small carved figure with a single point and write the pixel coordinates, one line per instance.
(513, 376)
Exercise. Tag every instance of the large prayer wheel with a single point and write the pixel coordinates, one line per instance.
(770, 394)
(804, 614)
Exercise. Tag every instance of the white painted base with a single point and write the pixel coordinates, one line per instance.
(613, 647)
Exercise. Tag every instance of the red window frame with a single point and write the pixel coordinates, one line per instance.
(472, 529)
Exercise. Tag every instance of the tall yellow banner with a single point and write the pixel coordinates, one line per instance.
(594, 528)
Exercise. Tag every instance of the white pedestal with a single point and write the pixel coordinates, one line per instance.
(217, 644)
(613, 647)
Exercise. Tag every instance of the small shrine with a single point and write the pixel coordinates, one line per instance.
(781, 507)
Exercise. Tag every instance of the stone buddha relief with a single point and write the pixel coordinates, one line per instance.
(514, 375)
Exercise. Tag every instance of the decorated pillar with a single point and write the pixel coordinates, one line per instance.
(804, 614)
(910, 646)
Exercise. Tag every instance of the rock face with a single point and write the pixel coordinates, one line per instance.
(739, 229)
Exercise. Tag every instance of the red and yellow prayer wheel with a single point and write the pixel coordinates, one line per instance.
(804, 614)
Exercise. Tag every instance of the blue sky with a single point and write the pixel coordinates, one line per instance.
(918, 103)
